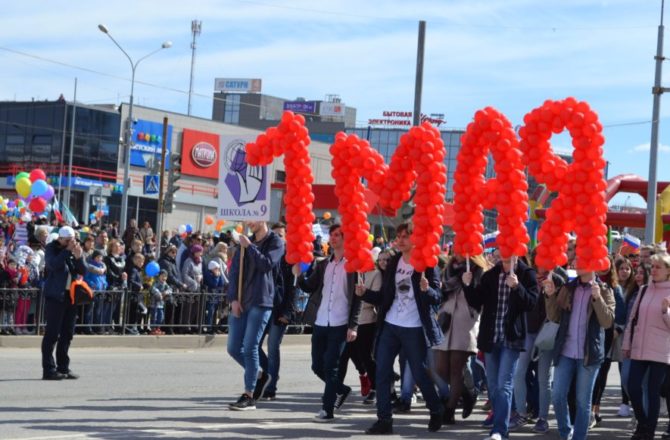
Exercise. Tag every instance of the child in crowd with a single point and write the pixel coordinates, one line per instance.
(215, 284)
(159, 293)
(96, 278)
(136, 297)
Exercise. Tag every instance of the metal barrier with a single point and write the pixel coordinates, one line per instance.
(123, 312)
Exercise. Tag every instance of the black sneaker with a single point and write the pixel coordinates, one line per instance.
(324, 417)
(269, 395)
(69, 375)
(53, 375)
(244, 403)
(381, 427)
(371, 398)
(400, 407)
(340, 398)
(469, 402)
(261, 384)
(435, 422)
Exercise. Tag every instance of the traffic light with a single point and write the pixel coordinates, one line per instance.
(174, 174)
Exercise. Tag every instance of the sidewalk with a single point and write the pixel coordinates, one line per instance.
(145, 341)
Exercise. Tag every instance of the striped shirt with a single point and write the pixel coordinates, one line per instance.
(501, 309)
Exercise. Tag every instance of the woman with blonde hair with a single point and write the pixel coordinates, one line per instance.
(647, 343)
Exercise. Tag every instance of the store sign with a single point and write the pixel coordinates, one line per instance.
(399, 118)
(238, 85)
(331, 109)
(147, 142)
(200, 154)
(300, 106)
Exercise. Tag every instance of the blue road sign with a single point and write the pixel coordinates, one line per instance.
(151, 184)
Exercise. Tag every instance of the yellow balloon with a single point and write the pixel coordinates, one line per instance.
(23, 186)
(371, 238)
(85, 229)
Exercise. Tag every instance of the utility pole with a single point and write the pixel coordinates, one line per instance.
(196, 29)
(69, 167)
(159, 220)
(657, 91)
(418, 84)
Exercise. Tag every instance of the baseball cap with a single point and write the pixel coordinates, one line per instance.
(66, 232)
(213, 265)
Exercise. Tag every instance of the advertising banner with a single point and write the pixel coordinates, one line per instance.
(146, 143)
(200, 154)
(300, 106)
(244, 190)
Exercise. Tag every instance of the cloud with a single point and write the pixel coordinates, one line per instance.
(645, 147)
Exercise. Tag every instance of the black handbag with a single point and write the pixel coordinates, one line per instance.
(444, 319)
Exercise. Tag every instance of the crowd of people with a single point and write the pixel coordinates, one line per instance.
(497, 330)
(126, 298)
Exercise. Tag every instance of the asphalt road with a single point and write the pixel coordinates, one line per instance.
(141, 394)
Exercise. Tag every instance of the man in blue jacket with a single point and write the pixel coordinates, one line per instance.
(249, 316)
(406, 321)
(63, 264)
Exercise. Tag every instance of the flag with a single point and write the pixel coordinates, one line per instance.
(632, 241)
(490, 239)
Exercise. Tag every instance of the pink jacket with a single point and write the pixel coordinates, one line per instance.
(651, 338)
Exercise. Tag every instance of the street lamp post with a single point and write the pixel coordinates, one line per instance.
(129, 125)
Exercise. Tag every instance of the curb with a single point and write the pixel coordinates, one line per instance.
(172, 342)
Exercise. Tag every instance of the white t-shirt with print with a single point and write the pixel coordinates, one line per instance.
(403, 311)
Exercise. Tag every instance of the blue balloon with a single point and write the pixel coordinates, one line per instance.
(304, 267)
(152, 269)
(189, 229)
(39, 187)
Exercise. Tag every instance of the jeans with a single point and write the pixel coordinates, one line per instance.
(270, 362)
(61, 318)
(520, 388)
(545, 373)
(501, 363)
(407, 382)
(565, 370)
(244, 337)
(327, 347)
(102, 312)
(411, 341)
(647, 412)
(625, 375)
(211, 307)
(157, 316)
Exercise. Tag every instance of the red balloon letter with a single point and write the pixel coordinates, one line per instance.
(580, 205)
(508, 192)
(291, 139)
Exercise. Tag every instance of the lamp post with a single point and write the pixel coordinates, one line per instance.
(129, 124)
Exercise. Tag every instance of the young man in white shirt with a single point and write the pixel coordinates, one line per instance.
(406, 323)
(333, 311)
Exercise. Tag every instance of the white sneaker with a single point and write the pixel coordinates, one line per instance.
(323, 417)
(624, 410)
(494, 436)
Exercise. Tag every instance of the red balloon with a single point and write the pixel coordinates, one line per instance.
(37, 174)
(37, 205)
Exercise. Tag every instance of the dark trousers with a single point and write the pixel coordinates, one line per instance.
(327, 346)
(61, 318)
(648, 419)
(360, 353)
(410, 341)
(601, 382)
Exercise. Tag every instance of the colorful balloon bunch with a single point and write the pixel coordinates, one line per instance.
(34, 190)
(507, 192)
(418, 158)
(291, 139)
(581, 205)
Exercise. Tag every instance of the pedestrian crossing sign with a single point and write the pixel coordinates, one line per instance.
(151, 184)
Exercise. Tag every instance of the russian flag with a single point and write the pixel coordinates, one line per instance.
(632, 241)
(490, 239)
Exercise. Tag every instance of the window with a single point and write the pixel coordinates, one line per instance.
(280, 176)
(231, 114)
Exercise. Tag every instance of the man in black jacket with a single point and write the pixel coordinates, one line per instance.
(505, 293)
(63, 264)
(333, 311)
(282, 313)
(406, 321)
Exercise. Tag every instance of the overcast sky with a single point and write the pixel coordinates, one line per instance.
(510, 54)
